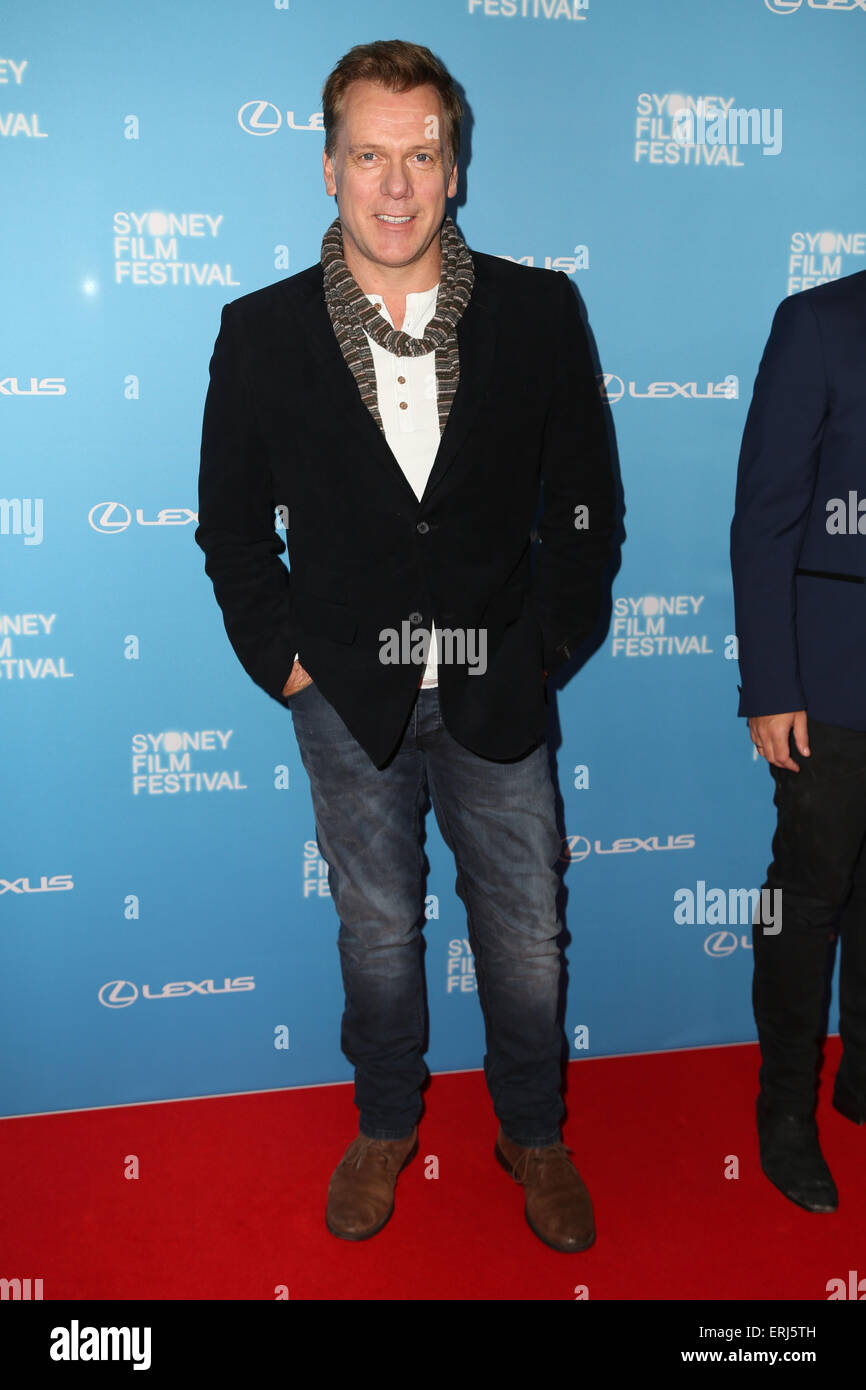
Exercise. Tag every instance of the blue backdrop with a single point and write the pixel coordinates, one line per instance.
(165, 923)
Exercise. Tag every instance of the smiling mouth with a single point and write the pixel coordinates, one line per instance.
(392, 221)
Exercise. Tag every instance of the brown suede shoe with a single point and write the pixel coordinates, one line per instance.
(361, 1190)
(558, 1206)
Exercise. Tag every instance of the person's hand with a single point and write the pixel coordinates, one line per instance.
(770, 735)
(298, 680)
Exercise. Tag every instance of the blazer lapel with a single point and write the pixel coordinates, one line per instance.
(476, 335)
(476, 339)
(340, 390)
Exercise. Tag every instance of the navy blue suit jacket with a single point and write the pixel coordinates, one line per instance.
(798, 537)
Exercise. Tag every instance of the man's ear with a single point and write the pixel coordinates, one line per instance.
(452, 181)
(328, 172)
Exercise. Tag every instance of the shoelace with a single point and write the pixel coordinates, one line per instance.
(539, 1158)
(371, 1148)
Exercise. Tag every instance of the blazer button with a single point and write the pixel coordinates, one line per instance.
(416, 617)
(422, 528)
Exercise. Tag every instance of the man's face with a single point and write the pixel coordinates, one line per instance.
(390, 163)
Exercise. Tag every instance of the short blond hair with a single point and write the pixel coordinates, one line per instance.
(399, 67)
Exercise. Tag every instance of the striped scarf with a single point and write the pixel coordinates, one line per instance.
(353, 317)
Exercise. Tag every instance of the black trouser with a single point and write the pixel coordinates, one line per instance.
(819, 863)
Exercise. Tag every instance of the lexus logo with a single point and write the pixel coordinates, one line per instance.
(109, 517)
(575, 848)
(259, 118)
(611, 387)
(118, 993)
(720, 943)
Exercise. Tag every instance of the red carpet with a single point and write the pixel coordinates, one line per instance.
(230, 1199)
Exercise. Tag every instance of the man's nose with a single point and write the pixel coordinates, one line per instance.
(395, 180)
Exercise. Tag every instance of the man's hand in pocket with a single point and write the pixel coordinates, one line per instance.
(298, 680)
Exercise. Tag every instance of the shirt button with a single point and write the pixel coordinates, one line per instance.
(402, 380)
(416, 617)
(422, 528)
(404, 405)
(377, 306)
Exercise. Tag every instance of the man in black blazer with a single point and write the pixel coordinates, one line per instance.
(798, 550)
(403, 401)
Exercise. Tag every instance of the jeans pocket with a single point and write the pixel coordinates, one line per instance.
(298, 693)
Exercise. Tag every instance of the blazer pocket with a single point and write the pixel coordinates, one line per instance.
(321, 618)
(504, 609)
(514, 607)
(516, 395)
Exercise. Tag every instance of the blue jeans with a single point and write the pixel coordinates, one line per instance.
(498, 819)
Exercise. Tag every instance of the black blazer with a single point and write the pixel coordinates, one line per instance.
(798, 538)
(285, 426)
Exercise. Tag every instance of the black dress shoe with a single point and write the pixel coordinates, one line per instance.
(845, 1101)
(791, 1158)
